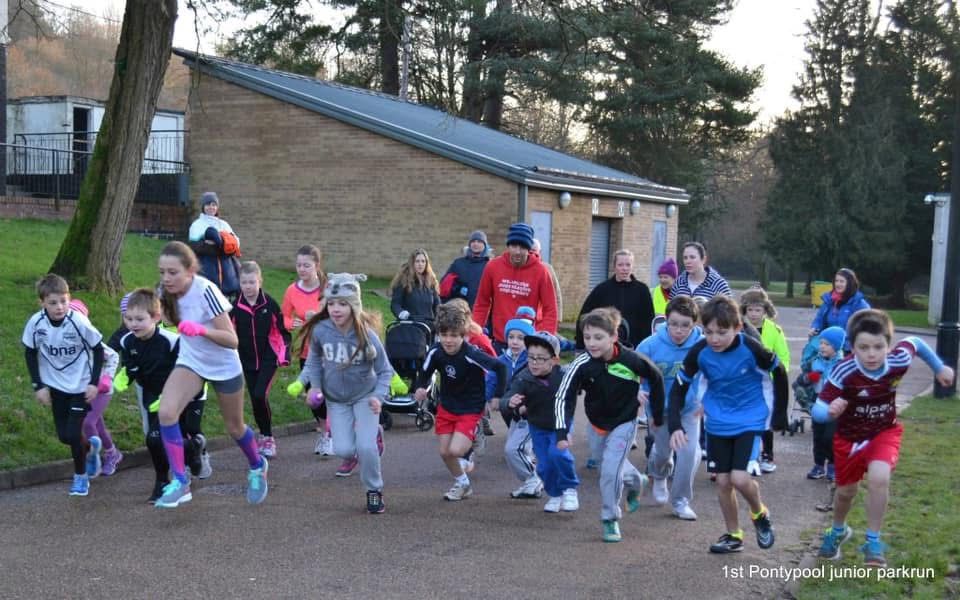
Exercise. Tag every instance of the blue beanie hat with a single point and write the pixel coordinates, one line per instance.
(835, 336)
(525, 312)
(521, 325)
(520, 233)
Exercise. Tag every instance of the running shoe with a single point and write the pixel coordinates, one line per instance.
(571, 502)
(611, 531)
(257, 486)
(375, 504)
(94, 463)
(816, 472)
(830, 547)
(157, 492)
(682, 510)
(553, 504)
(531, 488)
(347, 467)
(268, 447)
(80, 486)
(174, 494)
(727, 544)
(765, 537)
(458, 492)
(111, 458)
(660, 492)
(874, 554)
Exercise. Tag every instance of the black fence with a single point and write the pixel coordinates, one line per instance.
(58, 173)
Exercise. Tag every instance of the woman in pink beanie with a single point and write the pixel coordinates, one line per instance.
(661, 294)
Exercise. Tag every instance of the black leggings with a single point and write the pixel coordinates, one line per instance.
(258, 384)
(190, 423)
(823, 442)
(320, 412)
(68, 413)
(767, 445)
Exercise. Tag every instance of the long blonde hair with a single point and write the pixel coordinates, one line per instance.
(362, 324)
(407, 276)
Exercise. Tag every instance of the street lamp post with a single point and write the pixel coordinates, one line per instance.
(948, 329)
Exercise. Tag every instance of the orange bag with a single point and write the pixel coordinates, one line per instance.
(231, 245)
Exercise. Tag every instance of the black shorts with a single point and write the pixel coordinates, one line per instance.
(725, 453)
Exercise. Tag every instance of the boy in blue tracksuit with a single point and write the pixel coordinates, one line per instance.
(667, 348)
(518, 448)
(740, 401)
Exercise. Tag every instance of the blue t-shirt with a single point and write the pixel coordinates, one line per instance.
(668, 356)
(735, 385)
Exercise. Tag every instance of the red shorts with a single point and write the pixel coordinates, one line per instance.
(448, 422)
(884, 447)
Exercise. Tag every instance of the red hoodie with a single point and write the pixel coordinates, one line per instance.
(507, 288)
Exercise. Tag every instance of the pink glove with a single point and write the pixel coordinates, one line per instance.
(191, 329)
(105, 385)
(314, 398)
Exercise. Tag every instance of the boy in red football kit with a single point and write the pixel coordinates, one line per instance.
(861, 395)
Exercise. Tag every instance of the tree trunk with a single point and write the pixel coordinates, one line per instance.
(90, 253)
(472, 106)
(790, 281)
(388, 33)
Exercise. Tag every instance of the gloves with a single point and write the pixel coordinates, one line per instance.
(314, 398)
(819, 413)
(295, 388)
(191, 329)
(813, 376)
(122, 381)
(404, 315)
(398, 387)
(105, 384)
(154, 406)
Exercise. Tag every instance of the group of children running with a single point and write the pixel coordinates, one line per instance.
(722, 363)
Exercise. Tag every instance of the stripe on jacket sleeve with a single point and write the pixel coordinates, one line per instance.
(559, 401)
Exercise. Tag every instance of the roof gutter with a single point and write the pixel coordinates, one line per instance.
(586, 188)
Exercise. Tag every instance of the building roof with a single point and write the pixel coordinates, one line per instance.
(437, 132)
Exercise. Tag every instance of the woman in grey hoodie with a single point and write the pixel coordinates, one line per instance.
(348, 363)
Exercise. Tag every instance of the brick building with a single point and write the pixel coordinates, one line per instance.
(368, 178)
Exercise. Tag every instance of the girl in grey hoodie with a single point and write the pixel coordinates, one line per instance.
(348, 363)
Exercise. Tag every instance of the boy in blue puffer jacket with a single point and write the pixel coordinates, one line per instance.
(667, 348)
(832, 340)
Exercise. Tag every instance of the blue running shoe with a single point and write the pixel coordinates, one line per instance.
(94, 464)
(873, 554)
(81, 485)
(257, 483)
(830, 548)
(611, 531)
(633, 495)
(593, 464)
(175, 493)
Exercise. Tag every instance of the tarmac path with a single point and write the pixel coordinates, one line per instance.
(313, 539)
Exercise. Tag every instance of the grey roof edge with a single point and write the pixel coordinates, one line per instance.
(534, 177)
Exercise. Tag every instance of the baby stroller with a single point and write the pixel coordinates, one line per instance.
(804, 394)
(406, 344)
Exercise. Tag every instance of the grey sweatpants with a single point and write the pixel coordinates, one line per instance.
(354, 428)
(688, 457)
(518, 450)
(616, 470)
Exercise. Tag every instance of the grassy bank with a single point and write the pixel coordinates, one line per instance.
(922, 520)
(27, 249)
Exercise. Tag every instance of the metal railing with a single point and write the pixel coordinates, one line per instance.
(163, 144)
(58, 173)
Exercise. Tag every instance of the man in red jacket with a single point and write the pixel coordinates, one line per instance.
(514, 279)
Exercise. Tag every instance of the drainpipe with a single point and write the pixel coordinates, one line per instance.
(521, 202)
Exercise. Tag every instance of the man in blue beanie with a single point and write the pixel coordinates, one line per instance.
(514, 279)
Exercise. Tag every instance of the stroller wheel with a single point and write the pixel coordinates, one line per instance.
(386, 419)
(424, 420)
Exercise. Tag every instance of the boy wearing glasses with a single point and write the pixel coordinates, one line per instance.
(532, 395)
(667, 348)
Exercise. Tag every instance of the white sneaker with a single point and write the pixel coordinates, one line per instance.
(458, 492)
(318, 448)
(768, 466)
(327, 445)
(753, 468)
(531, 488)
(660, 492)
(570, 500)
(553, 504)
(682, 510)
(206, 469)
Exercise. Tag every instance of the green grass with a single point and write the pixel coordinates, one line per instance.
(922, 519)
(27, 249)
(909, 318)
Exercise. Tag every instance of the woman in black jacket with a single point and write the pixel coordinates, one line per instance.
(628, 295)
(415, 291)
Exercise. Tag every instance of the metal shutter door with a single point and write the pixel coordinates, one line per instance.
(599, 252)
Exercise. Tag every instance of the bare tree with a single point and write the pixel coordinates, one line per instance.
(90, 253)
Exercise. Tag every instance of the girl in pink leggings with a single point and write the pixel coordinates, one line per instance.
(94, 428)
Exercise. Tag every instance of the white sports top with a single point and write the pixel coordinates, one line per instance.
(211, 361)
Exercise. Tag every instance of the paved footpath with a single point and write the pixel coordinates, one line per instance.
(312, 538)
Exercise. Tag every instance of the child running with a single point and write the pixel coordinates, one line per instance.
(263, 343)
(208, 352)
(462, 367)
(301, 301)
(64, 358)
(531, 397)
(149, 353)
(611, 375)
(94, 428)
(348, 363)
(759, 311)
(516, 448)
(860, 394)
(740, 402)
(830, 352)
(667, 348)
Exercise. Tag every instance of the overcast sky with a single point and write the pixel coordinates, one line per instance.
(760, 33)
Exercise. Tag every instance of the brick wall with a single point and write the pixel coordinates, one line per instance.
(287, 176)
(145, 217)
(570, 241)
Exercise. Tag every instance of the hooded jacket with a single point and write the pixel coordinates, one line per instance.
(462, 279)
(632, 298)
(343, 377)
(668, 357)
(215, 265)
(505, 288)
(830, 314)
(421, 302)
(539, 398)
(260, 331)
